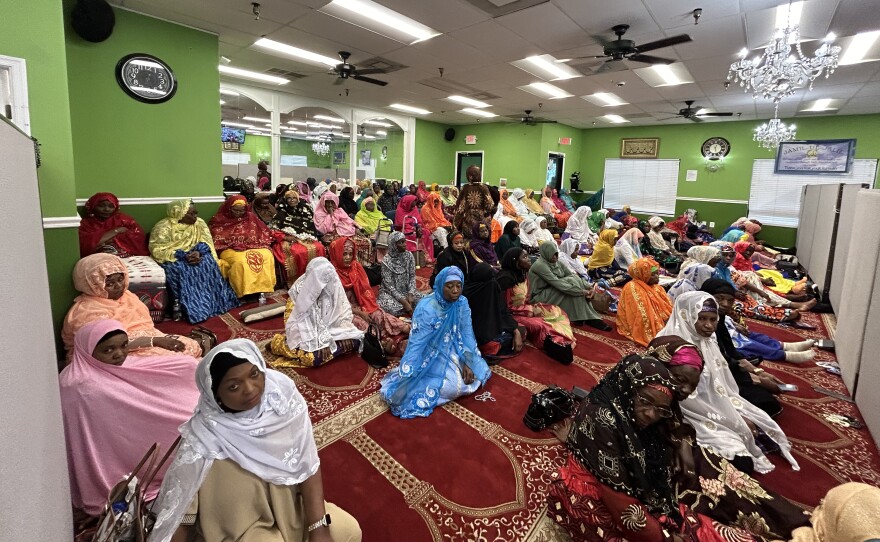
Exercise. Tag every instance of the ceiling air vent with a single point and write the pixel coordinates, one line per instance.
(284, 73)
(379, 63)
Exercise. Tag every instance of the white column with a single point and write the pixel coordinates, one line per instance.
(352, 146)
(275, 160)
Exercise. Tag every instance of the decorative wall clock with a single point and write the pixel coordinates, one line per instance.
(146, 78)
(715, 148)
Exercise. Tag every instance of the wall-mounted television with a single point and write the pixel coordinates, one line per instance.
(231, 135)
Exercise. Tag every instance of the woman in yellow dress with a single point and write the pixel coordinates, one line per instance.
(243, 242)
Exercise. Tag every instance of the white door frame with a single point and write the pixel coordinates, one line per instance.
(482, 168)
(561, 174)
(17, 67)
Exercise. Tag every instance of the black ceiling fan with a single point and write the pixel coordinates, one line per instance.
(345, 71)
(690, 112)
(529, 120)
(620, 49)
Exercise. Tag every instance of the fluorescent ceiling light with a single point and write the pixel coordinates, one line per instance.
(379, 19)
(247, 74)
(823, 104)
(238, 124)
(789, 17)
(229, 92)
(369, 137)
(464, 100)
(257, 119)
(410, 109)
(298, 123)
(605, 99)
(329, 118)
(478, 112)
(378, 123)
(859, 47)
(295, 52)
(546, 90)
(666, 73)
(547, 67)
(292, 131)
(615, 119)
(381, 132)
(222, 102)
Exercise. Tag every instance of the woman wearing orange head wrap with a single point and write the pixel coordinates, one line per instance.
(644, 307)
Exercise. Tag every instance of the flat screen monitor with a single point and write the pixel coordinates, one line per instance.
(232, 135)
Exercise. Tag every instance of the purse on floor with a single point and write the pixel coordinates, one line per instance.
(371, 348)
(549, 406)
(205, 337)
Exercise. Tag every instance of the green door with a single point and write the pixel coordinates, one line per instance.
(466, 160)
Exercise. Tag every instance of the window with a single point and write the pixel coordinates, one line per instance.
(13, 92)
(648, 186)
(775, 200)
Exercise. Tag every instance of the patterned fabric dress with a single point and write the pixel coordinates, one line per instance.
(473, 207)
(299, 245)
(243, 243)
(398, 278)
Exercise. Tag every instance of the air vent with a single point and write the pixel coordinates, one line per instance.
(450, 86)
(497, 8)
(639, 116)
(483, 96)
(379, 63)
(284, 73)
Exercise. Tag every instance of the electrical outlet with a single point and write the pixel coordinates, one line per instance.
(711, 224)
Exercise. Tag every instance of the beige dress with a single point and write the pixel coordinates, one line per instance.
(234, 505)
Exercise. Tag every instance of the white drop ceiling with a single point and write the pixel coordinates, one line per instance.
(475, 50)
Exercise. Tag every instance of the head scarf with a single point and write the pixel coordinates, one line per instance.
(407, 209)
(603, 251)
(698, 254)
(716, 410)
(506, 204)
(547, 202)
(543, 235)
(297, 216)
(691, 279)
(353, 276)
(238, 233)
(644, 454)
(510, 274)
(91, 229)
(733, 236)
(722, 268)
(528, 233)
(489, 311)
(441, 334)
(321, 313)
(848, 513)
(369, 220)
(547, 250)
(432, 213)
(273, 441)
(482, 249)
(562, 201)
(346, 201)
(741, 263)
(90, 273)
(304, 190)
(447, 197)
(572, 262)
(655, 221)
(643, 308)
(627, 249)
(657, 240)
(398, 261)
(578, 226)
(170, 235)
(421, 192)
(99, 401)
(337, 222)
(518, 204)
(597, 220)
(533, 206)
(673, 350)
(263, 208)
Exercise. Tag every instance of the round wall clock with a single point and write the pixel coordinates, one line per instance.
(715, 148)
(146, 78)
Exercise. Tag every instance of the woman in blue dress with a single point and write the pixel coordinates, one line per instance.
(442, 361)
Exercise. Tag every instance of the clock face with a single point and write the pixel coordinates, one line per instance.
(146, 78)
(715, 148)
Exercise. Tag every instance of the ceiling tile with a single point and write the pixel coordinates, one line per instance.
(597, 18)
(487, 35)
(678, 14)
(453, 53)
(444, 16)
(279, 11)
(324, 25)
(315, 43)
(545, 25)
(854, 16)
(713, 38)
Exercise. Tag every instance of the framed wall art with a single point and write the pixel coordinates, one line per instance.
(338, 157)
(815, 156)
(639, 147)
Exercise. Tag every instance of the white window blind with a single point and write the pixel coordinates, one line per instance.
(775, 200)
(648, 186)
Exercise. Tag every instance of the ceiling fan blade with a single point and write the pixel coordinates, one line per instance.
(611, 66)
(666, 42)
(601, 40)
(670, 118)
(369, 71)
(369, 80)
(545, 121)
(716, 114)
(695, 119)
(588, 57)
(648, 59)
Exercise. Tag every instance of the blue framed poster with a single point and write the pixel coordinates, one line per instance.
(815, 156)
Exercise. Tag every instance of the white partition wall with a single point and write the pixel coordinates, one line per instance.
(34, 493)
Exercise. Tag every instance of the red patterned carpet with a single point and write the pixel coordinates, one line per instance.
(473, 471)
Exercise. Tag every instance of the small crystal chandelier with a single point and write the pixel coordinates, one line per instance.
(780, 72)
(774, 132)
(321, 148)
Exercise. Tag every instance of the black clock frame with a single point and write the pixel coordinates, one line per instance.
(121, 81)
(712, 156)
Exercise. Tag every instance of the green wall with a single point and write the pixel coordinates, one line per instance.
(138, 149)
(550, 135)
(434, 156)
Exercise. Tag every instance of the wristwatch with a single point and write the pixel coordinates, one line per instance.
(324, 522)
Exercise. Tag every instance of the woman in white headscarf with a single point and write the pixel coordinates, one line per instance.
(528, 236)
(690, 280)
(700, 254)
(568, 257)
(520, 206)
(578, 228)
(543, 235)
(626, 249)
(318, 321)
(726, 424)
(247, 467)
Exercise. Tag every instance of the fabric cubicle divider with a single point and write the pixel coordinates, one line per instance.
(846, 231)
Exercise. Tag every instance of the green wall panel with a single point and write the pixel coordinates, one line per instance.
(62, 252)
(137, 149)
(434, 156)
(550, 135)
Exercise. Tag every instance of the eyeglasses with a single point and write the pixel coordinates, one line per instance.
(644, 402)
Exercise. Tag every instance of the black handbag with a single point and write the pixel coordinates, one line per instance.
(371, 348)
(549, 406)
(374, 273)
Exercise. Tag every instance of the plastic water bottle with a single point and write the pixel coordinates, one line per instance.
(262, 300)
(176, 311)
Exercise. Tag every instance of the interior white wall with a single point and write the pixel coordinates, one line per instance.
(34, 485)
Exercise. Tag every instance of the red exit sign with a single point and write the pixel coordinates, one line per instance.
(565, 141)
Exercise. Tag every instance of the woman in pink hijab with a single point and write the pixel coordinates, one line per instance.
(408, 220)
(333, 223)
(116, 406)
(761, 255)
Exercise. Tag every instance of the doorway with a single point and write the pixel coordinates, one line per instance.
(464, 160)
(555, 170)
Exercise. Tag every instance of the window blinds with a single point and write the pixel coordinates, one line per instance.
(648, 186)
(775, 200)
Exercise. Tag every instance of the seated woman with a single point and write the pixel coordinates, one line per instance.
(453, 254)
(479, 248)
(543, 235)
(552, 205)
(407, 219)
(102, 280)
(552, 283)
(263, 207)
(658, 242)
(509, 239)
(362, 299)
(516, 198)
(847, 513)
(568, 256)
(528, 237)
(318, 321)
(434, 220)
(332, 223)
(644, 307)
(106, 229)
(449, 197)
(369, 218)
(183, 246)
(247, 467)
(388, 201)
(498, 335)
(706, 255)
(726, 423)
(762, 256)
(602, 264)
(346, 201)
(397, 292)
(578, 228)
(627, 249)
(421, 193)
(626, 218)
(597, 220)
(442, 361)
(667, 258)
(547, 326)
(691, 280)
(294, 225)
(506, 210)
(243, 241)
(532, 205)
(103, 385)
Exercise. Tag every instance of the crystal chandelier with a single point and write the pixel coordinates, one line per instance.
(772, 133)
(321, 148)
(780, 72)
